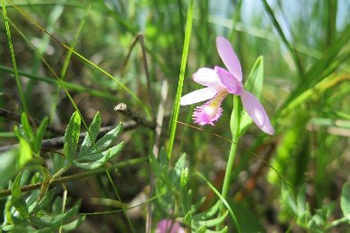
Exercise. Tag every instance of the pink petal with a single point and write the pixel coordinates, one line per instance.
(198, 96)
(229, 58)
(209, 112)
(206, 77)
(227, 79)
(257, 112)
(169, 226)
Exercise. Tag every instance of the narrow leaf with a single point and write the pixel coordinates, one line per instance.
(27, 128)
(209, 213)
(71, 136)
(176, 171)
(25, 153)
(345, 199)
(105, 156)
(91, 135)
(211, 222)
(40, 134)
(75, 224)
(17, 199)
(43, 203)
(109, 138)
(222, 199)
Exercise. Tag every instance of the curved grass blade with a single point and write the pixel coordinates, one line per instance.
(222, 200)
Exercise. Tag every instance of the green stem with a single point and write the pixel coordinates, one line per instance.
(64, 179)
(181, 77)
(13, 58)
(235, 127)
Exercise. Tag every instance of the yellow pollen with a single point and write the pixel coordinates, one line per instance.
(211, 110)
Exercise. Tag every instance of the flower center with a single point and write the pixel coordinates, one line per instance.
(214, 105)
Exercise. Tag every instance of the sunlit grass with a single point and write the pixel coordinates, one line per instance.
(61, 56)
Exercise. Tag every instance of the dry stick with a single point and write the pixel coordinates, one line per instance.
(129, 113)
(64, 179)
(140, 37)
(129, 53)
(15, 117)
(148, 77)
(159, 123)
(57, 143)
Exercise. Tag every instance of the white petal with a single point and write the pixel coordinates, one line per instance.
(206, 77)
(257, 112)
(198, 96)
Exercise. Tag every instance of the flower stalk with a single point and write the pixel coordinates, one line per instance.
(235, 126)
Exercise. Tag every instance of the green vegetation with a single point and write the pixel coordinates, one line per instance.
(71, 160)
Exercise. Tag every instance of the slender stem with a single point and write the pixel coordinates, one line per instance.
(120, 200)
(235, 126)
(13, 58)
(64, 179)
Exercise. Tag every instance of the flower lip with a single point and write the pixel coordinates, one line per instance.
(229, 81)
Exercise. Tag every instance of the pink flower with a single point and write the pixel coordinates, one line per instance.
(169, 226)
(220, 83)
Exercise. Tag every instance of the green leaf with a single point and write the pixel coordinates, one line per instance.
(163, 157)
(210, 222)
(7, 166)
(55, 221)
(187, 220)
(254, 85)
(44, 202)
(201, 229)
(301, 201)
(208, 213)
(105, 156)
(156, 169)
(75, 224)
(222, 199)
(247, 219)
(175, 174)
(71, 136)
(198, 204)
(224, 230)
(254, 82)
(345, 199)
(109, 138)
(17, 199)
(91, 135)
(25, 153)
(40, 134)
(27, 128)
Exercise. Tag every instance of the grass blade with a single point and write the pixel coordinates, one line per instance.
(181, 77)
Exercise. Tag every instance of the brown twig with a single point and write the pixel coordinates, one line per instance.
(159, 123)
(57, 143)
(139, 37)
(148, 77)
(132, 115)
(15, 117)
(64, 179)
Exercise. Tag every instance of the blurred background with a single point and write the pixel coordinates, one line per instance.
(306, 93)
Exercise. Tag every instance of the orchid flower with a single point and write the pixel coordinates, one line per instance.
(220, 83)
(169, 226)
